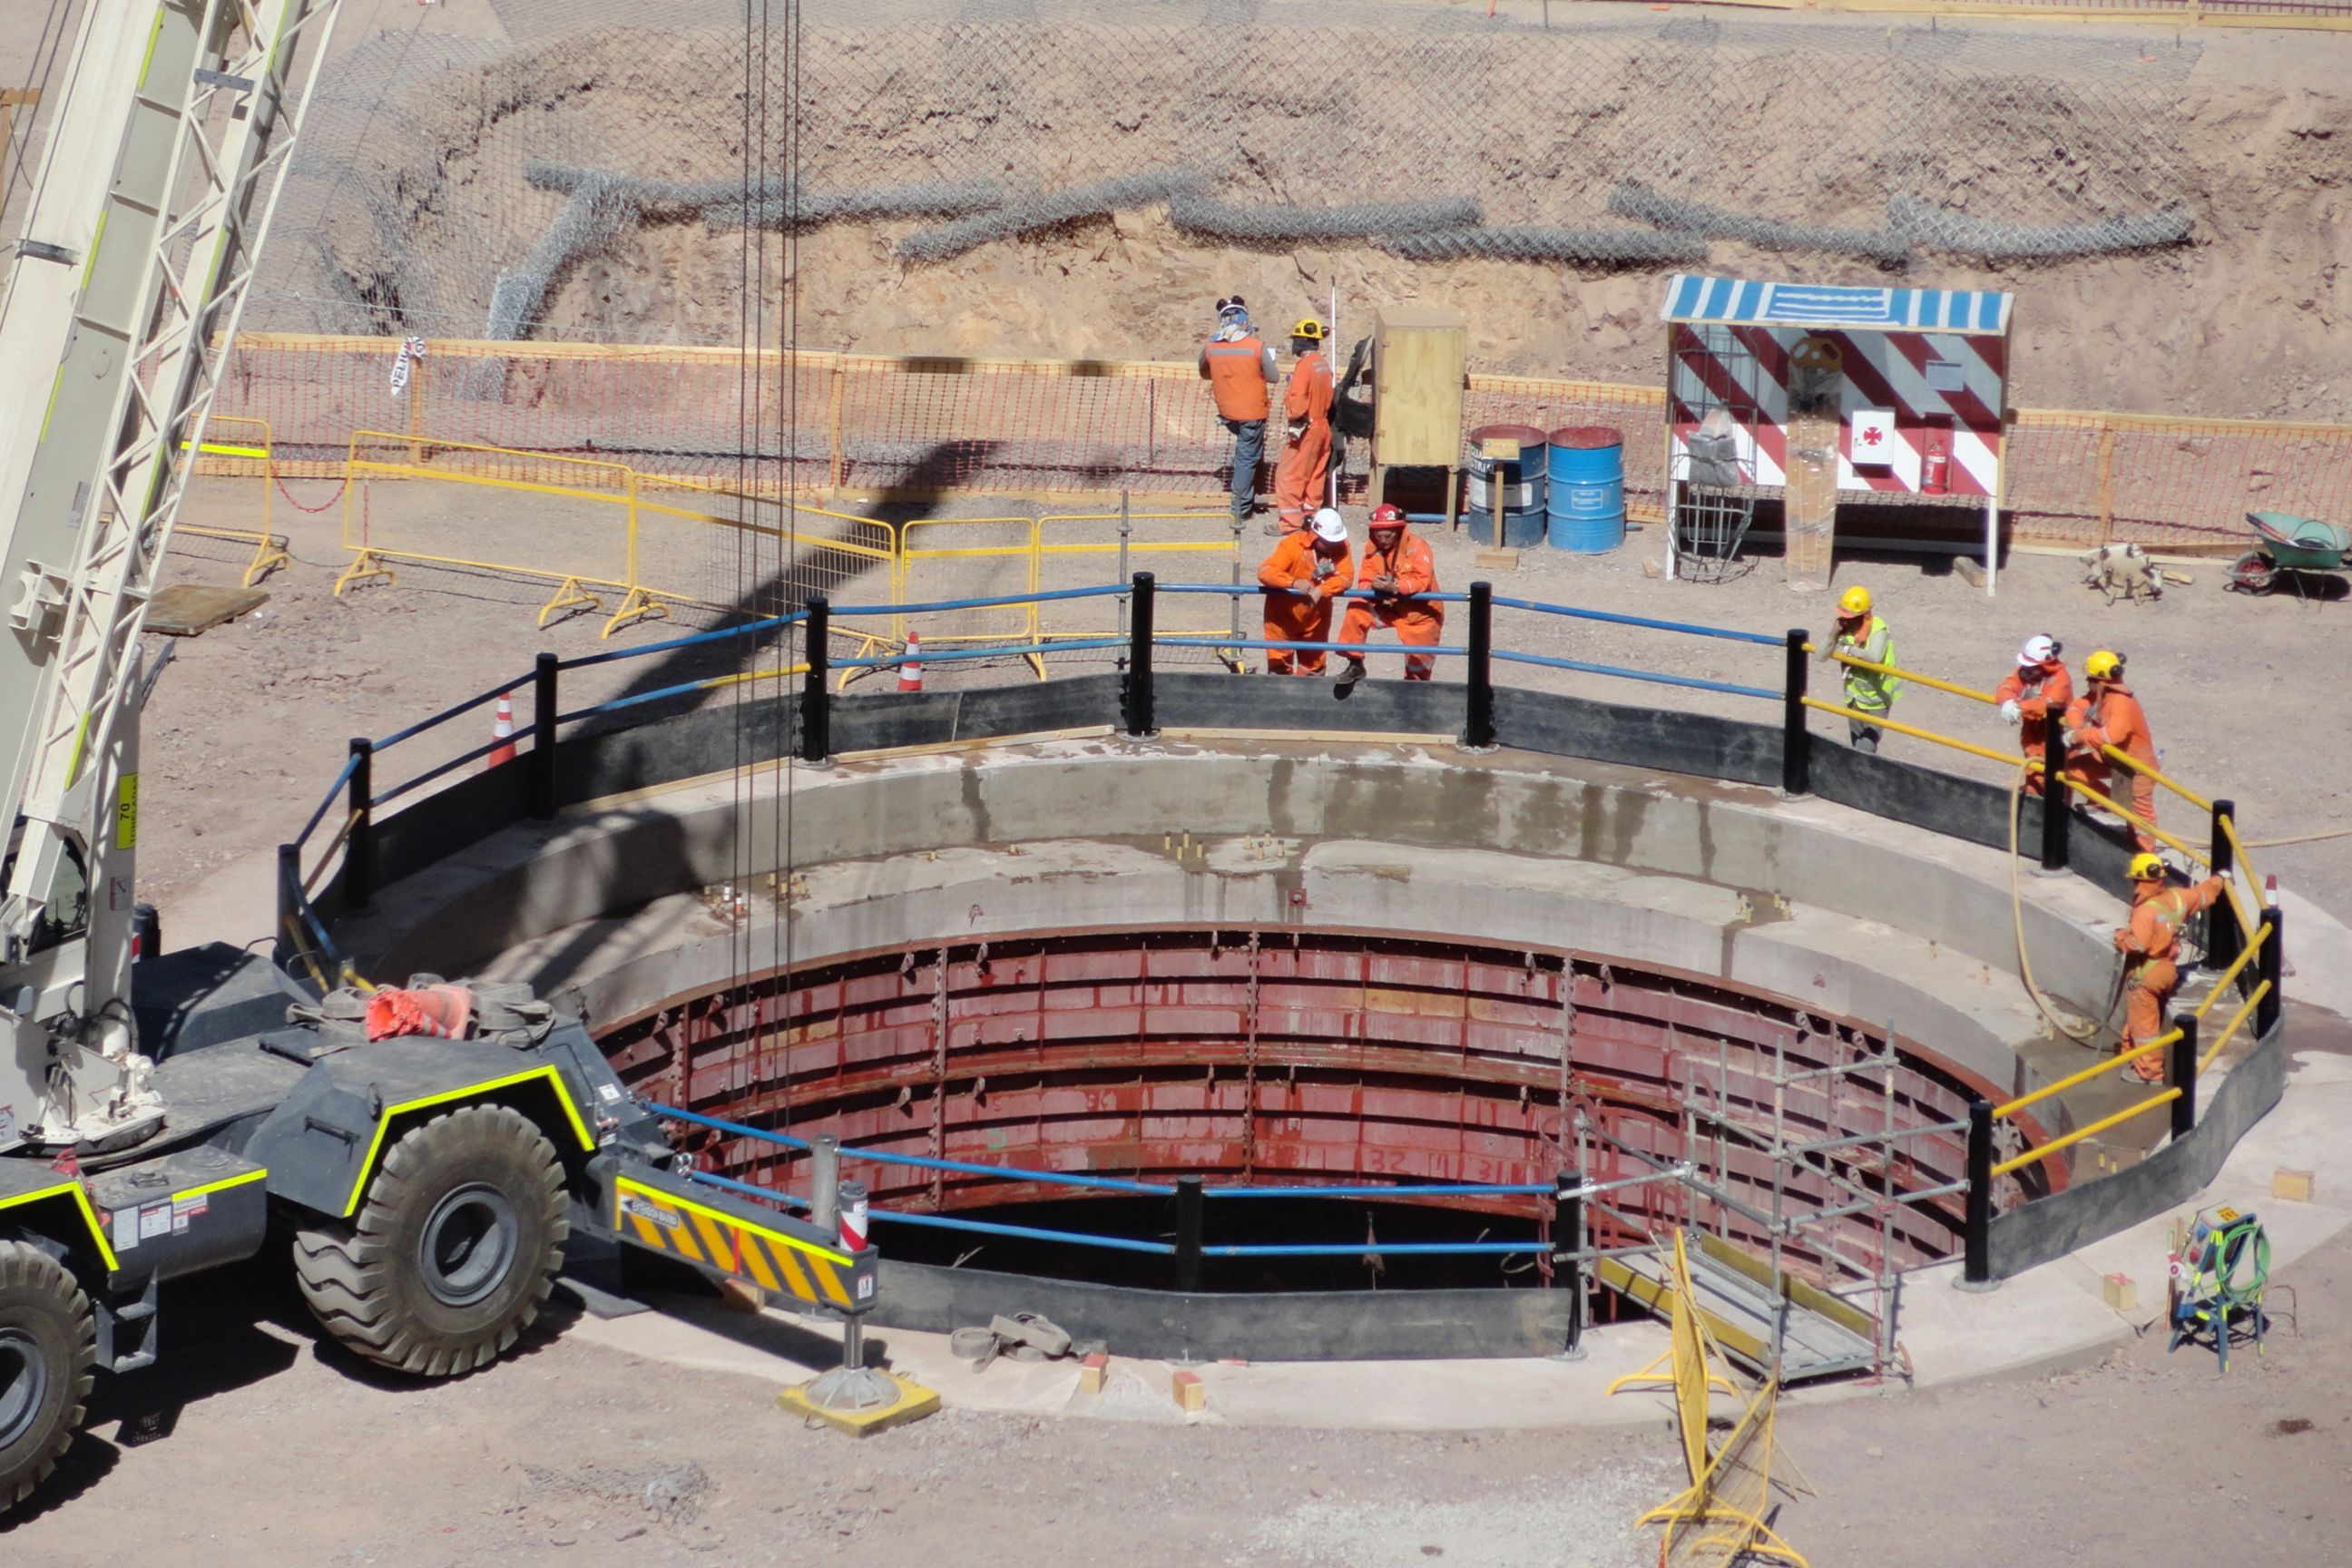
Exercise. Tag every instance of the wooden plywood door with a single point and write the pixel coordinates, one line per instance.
(1810, 501)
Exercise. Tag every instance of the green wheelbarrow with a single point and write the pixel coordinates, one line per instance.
(2289, 546)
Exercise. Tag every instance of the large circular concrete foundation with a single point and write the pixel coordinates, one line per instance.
(1272, 962)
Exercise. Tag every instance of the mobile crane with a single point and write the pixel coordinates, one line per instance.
(430, 1186)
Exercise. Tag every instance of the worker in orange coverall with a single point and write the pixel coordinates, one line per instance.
(2029, 695)
(2149, 946)
(1397, 563)
(1305, 573)
(1305, 467)
(2112, 716)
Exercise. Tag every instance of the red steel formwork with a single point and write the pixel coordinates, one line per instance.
(1275, 1059)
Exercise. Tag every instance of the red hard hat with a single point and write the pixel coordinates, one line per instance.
(1390, 516)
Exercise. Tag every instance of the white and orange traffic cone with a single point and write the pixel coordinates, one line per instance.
(2270, 890)
(910, 667)
(502, 732)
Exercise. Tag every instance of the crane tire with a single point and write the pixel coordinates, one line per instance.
(48, 1345)
(453, 1253)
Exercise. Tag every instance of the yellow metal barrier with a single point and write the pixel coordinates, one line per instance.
(437, 540)
(1090, 541)
(249, 444)
(1003, 567)
(2145, 825)
(2075, 1079)
(2019, 1161)
(2232, 1027)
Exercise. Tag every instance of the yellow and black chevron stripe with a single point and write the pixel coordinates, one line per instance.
(661, 1222)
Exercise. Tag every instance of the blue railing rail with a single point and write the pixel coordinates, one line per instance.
(1189, 1192)
(307, 937)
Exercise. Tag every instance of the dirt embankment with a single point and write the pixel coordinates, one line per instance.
(2245, 320)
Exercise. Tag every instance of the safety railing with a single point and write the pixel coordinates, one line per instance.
(235, 446)
(1190, 1195)
(2250, 954)
(900, 427)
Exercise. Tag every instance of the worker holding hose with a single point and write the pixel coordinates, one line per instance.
(2150, 945)
(1864, 636)
(1306, 573)
(1240, 368)
(2029, 695)
(2111, 716)
(1396, 566)
(1307, 412)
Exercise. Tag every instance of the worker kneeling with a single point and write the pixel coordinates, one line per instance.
(1305, 573)
(1396, 566)
(2150, 946)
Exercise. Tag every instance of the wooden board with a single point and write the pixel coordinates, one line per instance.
(1810, 501)
(1419, 353)
(191, 609)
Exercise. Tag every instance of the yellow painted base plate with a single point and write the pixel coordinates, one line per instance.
(914, 1403)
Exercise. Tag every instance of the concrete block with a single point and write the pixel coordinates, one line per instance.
(2296, 1187)
(1093, 1372)
(2120, 1291)
(1970, 570)
(1191, 1393)
(1497, 560)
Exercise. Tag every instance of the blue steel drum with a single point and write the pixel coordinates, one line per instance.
(1587, 489)
(1522, 483)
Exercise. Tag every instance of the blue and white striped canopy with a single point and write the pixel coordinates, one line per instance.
(1740, 301)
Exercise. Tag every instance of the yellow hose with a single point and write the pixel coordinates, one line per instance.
(2017, 913)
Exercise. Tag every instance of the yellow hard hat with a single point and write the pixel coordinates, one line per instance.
(2102, 664)
(1310, 329)
(2147, 868)
(1854, 601)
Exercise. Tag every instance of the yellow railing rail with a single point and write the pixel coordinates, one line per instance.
(2140, 823)
(2236, 1022)
(2221, 984)
(1934, 682)
(2032, 1156)
(2238, 849)
(1881, 722)
(2075, 1079)
(2136, 765)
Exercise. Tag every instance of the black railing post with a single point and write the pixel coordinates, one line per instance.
(1976, 1258)
(542, 736)
(289, 892)
(1140, 722)
(2055, 815)
(1795, 738)
(358, 844)
(816, 707)
(1478, 719)
(2223, 939)
(1567, 1235)
(1190, 1205)
(2183, 1075)
(2271, 960)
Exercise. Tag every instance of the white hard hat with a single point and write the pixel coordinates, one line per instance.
(1330, 526)
(2037, 651)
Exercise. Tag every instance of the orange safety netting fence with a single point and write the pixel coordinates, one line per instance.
(870, 428)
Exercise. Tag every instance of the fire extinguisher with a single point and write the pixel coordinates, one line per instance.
(1937, 470)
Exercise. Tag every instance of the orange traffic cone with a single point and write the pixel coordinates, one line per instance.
(2270, 890)
(502, 732)
(910, 668)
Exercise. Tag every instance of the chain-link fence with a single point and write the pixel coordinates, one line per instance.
(588, 177)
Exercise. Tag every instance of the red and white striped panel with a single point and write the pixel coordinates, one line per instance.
(1881, 370)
